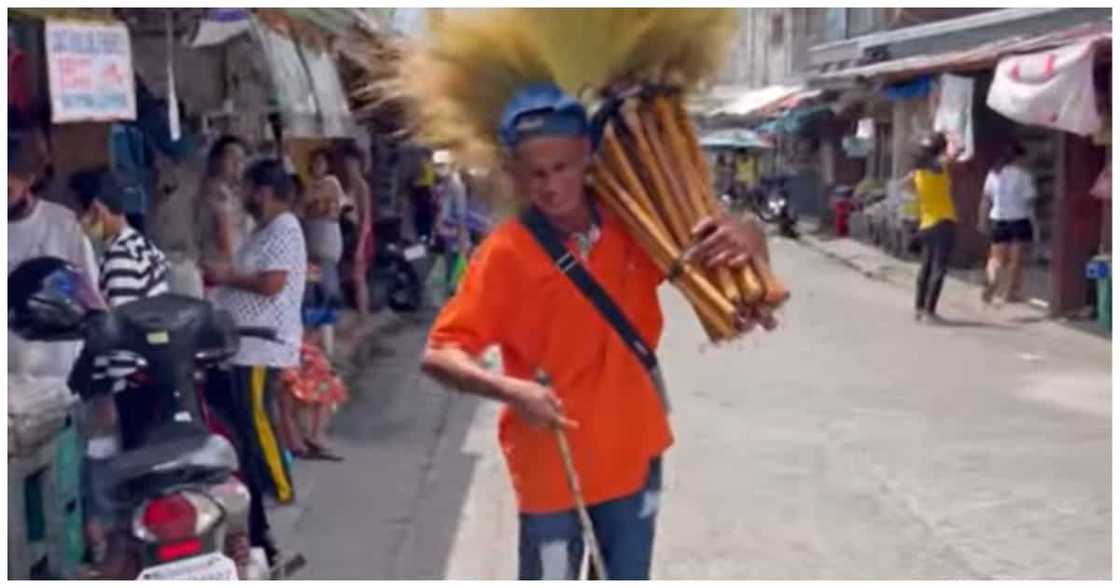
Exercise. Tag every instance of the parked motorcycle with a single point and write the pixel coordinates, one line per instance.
(187, 513)
(770, 201)
(395, 274)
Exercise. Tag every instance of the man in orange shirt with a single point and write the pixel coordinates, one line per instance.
(515, 296)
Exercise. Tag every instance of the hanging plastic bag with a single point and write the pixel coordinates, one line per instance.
(954, 113)
(1051, 89)
(459, 271)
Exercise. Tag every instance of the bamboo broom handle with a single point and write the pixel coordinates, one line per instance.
(657, 138)
(776, 293)
(614, 193)
(643, 153)
(692, 208)
(693, 180)
(680, 118)
(715, 323)
(615, 157)
(661, 256)
(717, 328)
(744, 282)
(760, 273)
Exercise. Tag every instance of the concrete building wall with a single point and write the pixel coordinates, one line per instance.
(763, 51)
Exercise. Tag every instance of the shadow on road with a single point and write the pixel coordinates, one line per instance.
(391, 511)
(966, 324)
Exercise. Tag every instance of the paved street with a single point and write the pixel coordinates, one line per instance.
(850, 444)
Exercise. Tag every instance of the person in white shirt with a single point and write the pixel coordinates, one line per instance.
(263, 287)
(451, 221)
(39, 228)
(1007, 212)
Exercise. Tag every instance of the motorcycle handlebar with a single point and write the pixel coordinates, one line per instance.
(267, 333)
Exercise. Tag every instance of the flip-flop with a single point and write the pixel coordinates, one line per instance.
(324, 453)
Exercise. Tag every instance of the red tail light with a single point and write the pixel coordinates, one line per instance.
(173, 551)
(170, 518)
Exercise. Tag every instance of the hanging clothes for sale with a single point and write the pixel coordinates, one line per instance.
(953, 116)
(1052, 89)
(132, 160)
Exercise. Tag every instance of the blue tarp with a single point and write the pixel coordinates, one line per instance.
(916, 88)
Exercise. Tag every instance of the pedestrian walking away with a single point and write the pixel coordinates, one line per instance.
(1006, 215)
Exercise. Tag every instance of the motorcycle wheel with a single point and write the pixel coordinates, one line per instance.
(761, 207)
(403, 289)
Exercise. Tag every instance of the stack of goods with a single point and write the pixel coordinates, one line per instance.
(632, 67)
(651, 172)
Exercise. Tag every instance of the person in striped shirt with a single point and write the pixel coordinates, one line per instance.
(131, 268)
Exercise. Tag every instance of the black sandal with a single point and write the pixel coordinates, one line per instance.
(323, 453)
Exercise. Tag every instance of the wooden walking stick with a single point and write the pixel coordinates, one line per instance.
(597, 562)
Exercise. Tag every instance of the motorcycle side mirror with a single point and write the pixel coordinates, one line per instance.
(49, 299)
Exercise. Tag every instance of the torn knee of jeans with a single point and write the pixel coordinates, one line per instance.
(650, 499)
(554, 558)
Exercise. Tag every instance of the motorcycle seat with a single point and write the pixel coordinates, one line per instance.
(176, 454)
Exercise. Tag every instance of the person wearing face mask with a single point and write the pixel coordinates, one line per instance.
(38, 228)
(131, 268)
(263, 287)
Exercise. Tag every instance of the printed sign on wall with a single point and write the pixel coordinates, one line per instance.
(90, 71)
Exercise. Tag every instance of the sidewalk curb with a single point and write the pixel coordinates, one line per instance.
(902, 274)
(812, 242)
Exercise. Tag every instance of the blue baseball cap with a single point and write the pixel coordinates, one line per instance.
(542, 109)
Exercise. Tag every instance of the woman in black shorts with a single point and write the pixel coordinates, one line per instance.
(1008, 207)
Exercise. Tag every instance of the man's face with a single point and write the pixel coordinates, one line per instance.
(255, 197)
(550, 171)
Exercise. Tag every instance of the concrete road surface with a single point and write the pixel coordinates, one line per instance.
(850, 444)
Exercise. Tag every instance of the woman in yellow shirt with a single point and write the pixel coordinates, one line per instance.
(937, 224)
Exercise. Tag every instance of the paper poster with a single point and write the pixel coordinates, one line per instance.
(89, 66)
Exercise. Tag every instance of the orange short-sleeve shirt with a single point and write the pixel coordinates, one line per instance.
(513, 296)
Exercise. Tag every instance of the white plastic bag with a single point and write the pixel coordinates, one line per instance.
(37, 409)
(1051, 89)
(954, 113)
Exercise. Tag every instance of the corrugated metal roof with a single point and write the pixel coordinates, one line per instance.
(755, 100)
(982, 57)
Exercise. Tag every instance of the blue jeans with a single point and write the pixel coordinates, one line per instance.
(551, 545)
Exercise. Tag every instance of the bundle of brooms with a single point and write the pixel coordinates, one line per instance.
(636, 65)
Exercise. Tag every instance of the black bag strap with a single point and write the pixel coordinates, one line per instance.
(570, 266)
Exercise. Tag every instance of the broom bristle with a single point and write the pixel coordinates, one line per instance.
(460, 74)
